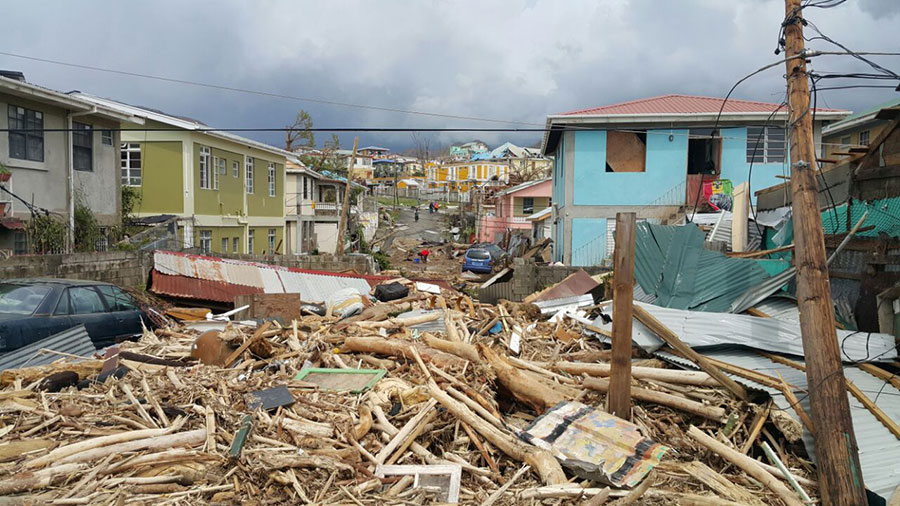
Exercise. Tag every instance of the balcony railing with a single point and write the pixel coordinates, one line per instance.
(326, 208)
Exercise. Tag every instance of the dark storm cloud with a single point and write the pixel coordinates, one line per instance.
(518, 60)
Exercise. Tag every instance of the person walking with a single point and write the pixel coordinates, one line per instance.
(424, 256)
(417, 214)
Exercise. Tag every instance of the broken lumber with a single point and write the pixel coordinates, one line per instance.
(673, 401)
(696, 378)
(400, 348)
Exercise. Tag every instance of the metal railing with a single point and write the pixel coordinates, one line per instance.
(674, 196)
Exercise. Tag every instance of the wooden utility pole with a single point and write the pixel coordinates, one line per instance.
(618, 400)
(840, 479)
(345, 207)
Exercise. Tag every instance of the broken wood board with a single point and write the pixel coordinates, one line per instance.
(284, 307)
(443, 476)
(355, 381)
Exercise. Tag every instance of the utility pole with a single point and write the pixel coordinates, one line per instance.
(345, 207)
(618, 399)
(840, 479)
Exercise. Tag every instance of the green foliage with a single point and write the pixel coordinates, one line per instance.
(383, 260)
(46, 234)
(354, 195)
(4, 169)
(131, 199)
(87, 230)
(300, 133)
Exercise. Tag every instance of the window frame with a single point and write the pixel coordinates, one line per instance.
(113, 299)
(224, 245)
(204, 168)
(126, 160)
(250, 241)
(220, 168)
(205, 241)
(530, 209)
(248, 175)
(760, 151)
(868, 138)
(235, 169)
(90, 288)
(26, 132)
(236, 244)
(273, 190)
(271, 236)
(106, 137)
(82, 142)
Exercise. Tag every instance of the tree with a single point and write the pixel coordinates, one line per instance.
(300, 132)
(422, 148)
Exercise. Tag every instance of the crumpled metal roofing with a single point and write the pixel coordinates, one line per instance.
(313, 286)
(878, 448)
(700, 329)
(75, 341)
(720, 230)
(672, 264)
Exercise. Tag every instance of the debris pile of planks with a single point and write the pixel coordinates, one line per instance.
(427, 398)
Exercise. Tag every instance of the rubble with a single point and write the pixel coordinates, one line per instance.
(411, 401)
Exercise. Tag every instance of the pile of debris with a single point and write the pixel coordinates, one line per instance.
(425, 398)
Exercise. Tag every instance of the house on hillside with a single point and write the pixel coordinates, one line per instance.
(52, 169)
(525, 164)
(361, 168)
(854, 132)
(465, 151)
(657, 157)
(512, 208)
(312, 209)
(226, 190)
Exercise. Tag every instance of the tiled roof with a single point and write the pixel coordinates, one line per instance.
(680, 104)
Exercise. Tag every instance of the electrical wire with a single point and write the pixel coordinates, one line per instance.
(851, 52)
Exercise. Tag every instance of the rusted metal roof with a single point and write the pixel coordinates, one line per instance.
(682, 104)
(186, 287)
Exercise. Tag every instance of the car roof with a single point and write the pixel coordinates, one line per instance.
(53, 281)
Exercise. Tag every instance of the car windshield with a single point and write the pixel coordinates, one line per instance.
(478, 254)
(19, 299)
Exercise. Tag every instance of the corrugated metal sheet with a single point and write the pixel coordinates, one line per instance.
(878, 448)
(432, 326)
(704, 329)
(680, 104)
(495, 292)
(883, 215)
(720, 229)
(554, 305)
(671, 263)
(783, 308)
(75, 341)
(192, 288)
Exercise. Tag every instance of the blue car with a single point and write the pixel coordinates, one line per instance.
(478, 260)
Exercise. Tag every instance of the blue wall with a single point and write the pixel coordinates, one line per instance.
(736, 168)
(588, 241)
(666, 168)
(558, 195)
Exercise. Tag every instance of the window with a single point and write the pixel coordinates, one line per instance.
(116, 298)
(625, 152)
(250, 249)
(19, 299)
(20, 246)
(224, 245)
(204, 168)
(528, 205)
(220, 170)
(248, 175)
(235, 245)
(82, 146)
(235, 169)
(106, 137)
(85, 300)
(205, 241)
(305, 185)
(765, 144)
(271, 240)
(271, 179)
(864, 138)
(131, 164)
(102, 242)
(26, 145)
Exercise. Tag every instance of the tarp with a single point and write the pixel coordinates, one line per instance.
(594, 444)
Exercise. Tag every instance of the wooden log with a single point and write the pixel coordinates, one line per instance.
(675, 376)
(242, 348)
(746, 464)
(666, 334)
(540, 460)
(97, 442)
(460, 349)
(673, 401)
(400, 348)
(188, 438)
(365, 423)
(27, 375)
(618, 399)
(405, 432)
(533, 393)
(33, 480)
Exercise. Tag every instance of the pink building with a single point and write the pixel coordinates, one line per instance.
(513, 207)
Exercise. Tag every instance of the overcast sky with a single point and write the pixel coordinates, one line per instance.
(515, 60)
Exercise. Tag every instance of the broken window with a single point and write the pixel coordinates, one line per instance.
(704, 151)
(626, 151)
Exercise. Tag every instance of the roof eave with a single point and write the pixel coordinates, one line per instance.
(678, 117)
(846, 125)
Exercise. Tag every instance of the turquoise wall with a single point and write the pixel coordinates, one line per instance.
(666, 168)
(559, 174)
(588, 241)
(735, 166)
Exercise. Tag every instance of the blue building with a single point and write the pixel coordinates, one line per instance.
(652, 157)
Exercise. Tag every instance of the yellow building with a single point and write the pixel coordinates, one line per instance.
(854, 131)
(462, 176)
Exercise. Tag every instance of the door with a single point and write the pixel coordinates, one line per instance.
(87, 306)
(124, 309)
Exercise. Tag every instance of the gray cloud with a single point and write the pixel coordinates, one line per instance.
(517, 60)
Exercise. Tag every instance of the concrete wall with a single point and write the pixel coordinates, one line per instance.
(529, 277)
(124, 268)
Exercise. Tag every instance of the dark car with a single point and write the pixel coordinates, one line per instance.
(32, 309)
(482, 258)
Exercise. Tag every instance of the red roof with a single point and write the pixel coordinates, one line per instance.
(681, 104)
(193, 288)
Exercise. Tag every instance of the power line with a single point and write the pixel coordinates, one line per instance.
(261, 93)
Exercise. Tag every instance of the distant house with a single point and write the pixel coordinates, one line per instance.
(855, 131)
(525, 164)
(465, 151)
(656, 157)
(361, 168)
(52, 168)
(226, 190)
(312, 209)
(512, 209)
(373, 151)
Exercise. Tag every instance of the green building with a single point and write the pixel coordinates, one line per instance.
(228, 191)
